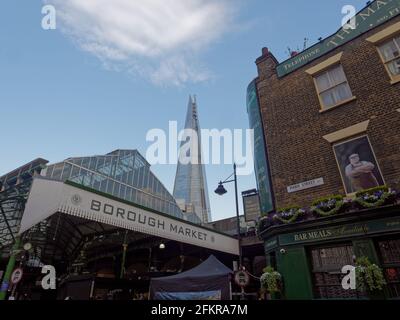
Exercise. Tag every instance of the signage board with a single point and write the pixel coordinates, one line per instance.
(261, 167)
(16, 276)
(375, 14)
(343, 231)
(306, 185)
(271, 244)
(251, 206)
(48, 197)
(242, 278)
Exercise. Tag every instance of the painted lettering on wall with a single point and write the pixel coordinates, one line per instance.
(375, 14)
(144, 219)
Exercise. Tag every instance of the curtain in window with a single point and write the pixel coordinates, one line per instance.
(333, 87)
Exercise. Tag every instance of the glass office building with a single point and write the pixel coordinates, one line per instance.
(124, 174)
(190, 190)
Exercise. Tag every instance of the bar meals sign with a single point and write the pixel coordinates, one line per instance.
(377, 13)
(343, 231)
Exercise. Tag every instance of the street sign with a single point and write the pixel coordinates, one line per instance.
(242, 278)
(251, 206)
(16, 276)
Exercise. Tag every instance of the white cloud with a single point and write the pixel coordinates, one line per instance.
(158, 39)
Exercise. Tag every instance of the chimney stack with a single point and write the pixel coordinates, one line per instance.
(266, 64)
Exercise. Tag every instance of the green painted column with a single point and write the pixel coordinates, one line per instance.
(10, 268)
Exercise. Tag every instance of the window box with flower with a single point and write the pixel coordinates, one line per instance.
(289, 215)
(263, 223)
(375, 197)
(329, 206)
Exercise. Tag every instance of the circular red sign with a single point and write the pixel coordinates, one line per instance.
(242, 278)
(16, 276)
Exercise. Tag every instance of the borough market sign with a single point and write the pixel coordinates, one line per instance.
(375, 14)
(48, 197)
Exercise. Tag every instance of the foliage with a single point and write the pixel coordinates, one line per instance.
(374, 197)
(263, 223)
(369, 276)
(271, 280)
(328, 198)
(372, 190)
(329, 206)
(289, 214)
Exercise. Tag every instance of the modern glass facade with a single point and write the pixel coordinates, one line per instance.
(190, 190)
(124, 174)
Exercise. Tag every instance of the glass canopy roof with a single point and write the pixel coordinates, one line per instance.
(124, 174)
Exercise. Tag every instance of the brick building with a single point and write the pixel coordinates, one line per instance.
(331, 119)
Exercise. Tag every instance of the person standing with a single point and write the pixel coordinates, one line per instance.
(360, 173)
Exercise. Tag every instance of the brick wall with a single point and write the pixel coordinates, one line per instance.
(294, 127)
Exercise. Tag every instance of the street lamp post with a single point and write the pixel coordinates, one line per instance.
(221, 191)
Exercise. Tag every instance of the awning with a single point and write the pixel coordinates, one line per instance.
(49, 197)
(209, 280)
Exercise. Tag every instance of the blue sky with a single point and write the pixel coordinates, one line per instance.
(76, 92)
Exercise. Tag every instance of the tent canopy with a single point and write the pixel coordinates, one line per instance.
(211, 279)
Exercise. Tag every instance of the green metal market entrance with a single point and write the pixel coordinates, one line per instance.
(103, 247)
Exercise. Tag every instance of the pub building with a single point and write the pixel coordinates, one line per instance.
(330, 117)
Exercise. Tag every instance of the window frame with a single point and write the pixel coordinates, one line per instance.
(381, 37)
(323, 107)
(393, 78)
(349, 139)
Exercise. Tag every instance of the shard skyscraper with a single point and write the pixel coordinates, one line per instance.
(190, 190)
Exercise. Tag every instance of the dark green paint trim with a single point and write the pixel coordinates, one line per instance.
(271, 244)
(261, 166)
(294, 268)
(343, 231)
(372, 16)
(390, 211)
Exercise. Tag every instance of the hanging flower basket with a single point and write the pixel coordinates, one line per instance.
(369, 276)
(375, 197)
(329, 206)
(271, 280)
(263, 223)
(289, 215)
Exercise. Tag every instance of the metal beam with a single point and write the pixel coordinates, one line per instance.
(6, 221)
